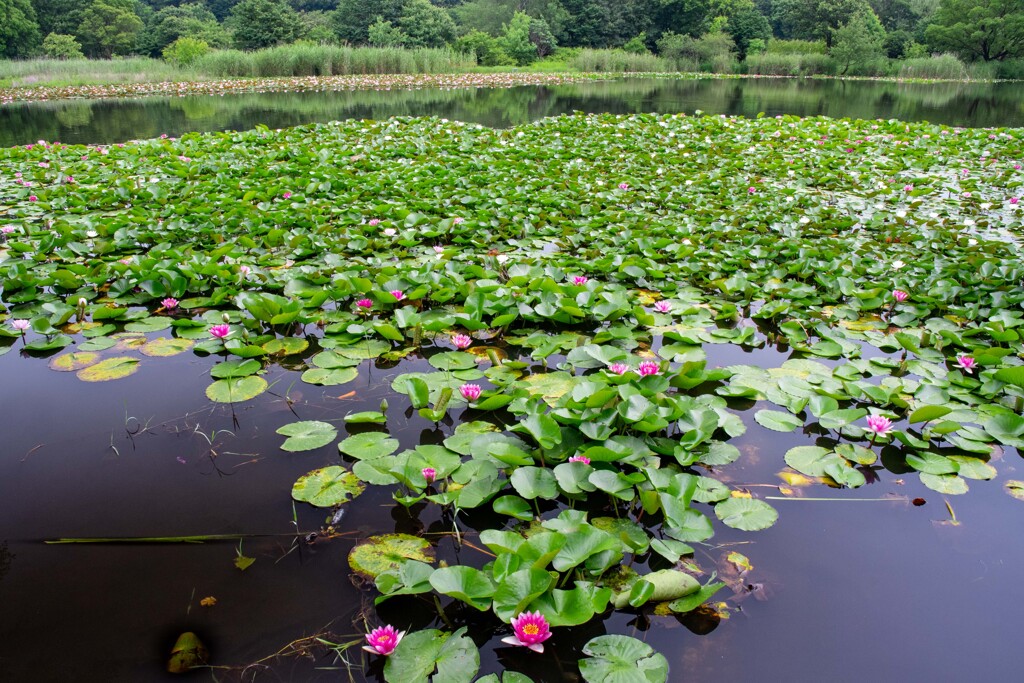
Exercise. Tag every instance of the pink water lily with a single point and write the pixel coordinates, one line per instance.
(663, 307)
(364, 303)
(531, 629)
(220, 331)
(879, 425)
(751, 190)
(470, 392)
(457, 220)
(648, 367)
(899, 295)
(618, 368)
(33, 198)
(20, 325)
(287, 195)
(623, 186)
(438, 249)
(390, 232)
(908, 188)
(579, 280)
(374, 222)
(8, 229)
(967, 364)
(244, 270)
(383, 640)
(398, 294)
(169, 303)
(461, 341)
(1014, 200)
(580, 458)
(429, 474)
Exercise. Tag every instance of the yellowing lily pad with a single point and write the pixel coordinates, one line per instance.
(109, 369)
(289, 346)
(127, 342)
(327, 487)
(69, 362)
(166, 346)
(378, 554)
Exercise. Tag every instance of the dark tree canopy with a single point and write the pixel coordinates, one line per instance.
(979, 29)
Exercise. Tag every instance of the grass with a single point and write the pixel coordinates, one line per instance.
(58, 73)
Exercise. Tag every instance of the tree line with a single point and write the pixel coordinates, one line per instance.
(517, 32)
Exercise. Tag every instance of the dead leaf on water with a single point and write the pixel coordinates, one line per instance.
(208, 601)
(188, 652)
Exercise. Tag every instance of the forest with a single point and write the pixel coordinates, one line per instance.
(711, 35)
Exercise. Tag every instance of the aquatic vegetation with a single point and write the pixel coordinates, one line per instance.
(383, 640)
(564, 319)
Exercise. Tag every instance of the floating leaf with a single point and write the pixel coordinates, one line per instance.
(70, 362)
(109, 369)
(288, 346)
(331, 377)
(949, 484)
(327, 487)
(307, 435)
(165, 347)
(777, 420)
(380, 553)
(1015, 488)
(188, 652)
(621, 659)
(747, 514)
(236, 390)
(368, 445)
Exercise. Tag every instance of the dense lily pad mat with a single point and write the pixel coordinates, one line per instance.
(612, 251)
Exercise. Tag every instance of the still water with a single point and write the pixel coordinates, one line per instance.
(842, 589)
(117, 120)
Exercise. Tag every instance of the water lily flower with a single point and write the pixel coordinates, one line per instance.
(967, 363)
(531, 629)
(897, 264)
(7, 229)
(244, 270)
(470, 392)
(461, 341)
(430, 474)
(908, 188)
(751, 190)
(1016, 167)
(374, 222)
(457, 220)
(287, 195)
(879, 425)
(169, 303)
(1014, 200)
(364, 303)
(648, 367)
(618, 368)
(20, 325)
(438, 249)
(579, 280)
(220, 331)
(899, 295)
(33, 198)
(663, 307)
(623, 186)
(383, 640)
(398, 294)
(580, 458)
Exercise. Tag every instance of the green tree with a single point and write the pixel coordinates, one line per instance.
(264, 23)
(109, 27)
(745, 24)
(62, 46)
(979, 29)
(488, 49)
(426, 25)
(185, 51)
(384, 34)
(515, 40)
(351, 21)
(637, 45)
(19, 30)
(57, 16)
(542, 37)
(316, 27)
(858, 42)
(813, 19)
(191, 20)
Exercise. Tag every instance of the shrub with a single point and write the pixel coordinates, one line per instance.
(185, 51)
(637, 45)
(62, 46)
(384, 34)
(487, 48)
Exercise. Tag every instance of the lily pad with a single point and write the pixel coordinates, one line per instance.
(368, 445)
(236, 390)
(380, 553)
(307, 435)
(70, 362)
(110, 369)
(165, 347)
(327, 487)
(621, 659)
(748, 514)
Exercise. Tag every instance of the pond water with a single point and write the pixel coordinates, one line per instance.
(860, 584)
(117, 120)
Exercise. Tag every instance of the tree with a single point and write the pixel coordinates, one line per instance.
(192, 20)
(858, 42)
(57, 16)
(109, 27)
(979, 29)
(813, 19)
(264, 23)
(542, 37)
(316, 27)
(351, 21)
(488, 49)
(426, 25)
(185, 51)
(62, 46)
(384, 34)
(745, 24)
(515, 40)
(19, 30)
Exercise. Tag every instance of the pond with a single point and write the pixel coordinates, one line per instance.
(743, 273)
(117, 120)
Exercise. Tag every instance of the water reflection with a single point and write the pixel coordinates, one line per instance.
(105, 121)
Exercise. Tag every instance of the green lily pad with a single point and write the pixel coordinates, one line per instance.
(748, 514)
(778, 421)
(236, 390)
(331, 377)
(288, 346)
(378, 554)
(621, 659)
(109, 369)
(307, 435)
(327, 487)
(368, 445)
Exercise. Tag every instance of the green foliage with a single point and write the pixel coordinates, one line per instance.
(58, 16)
(515, 39)
(185, 51)
(814, 19)
(611, 61)
(263, 23)
(487, 48)
(779, 46)
(110, 27)
(19, 30)
(426, 25)
(351, 20)
(542, 37)
(384, 34)
(710, 52)
(305, 59)
(858, 42)
(945, 66)
(637, 45)
(191, 20)
(745, 25)
(61, 46)
(978, 29)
